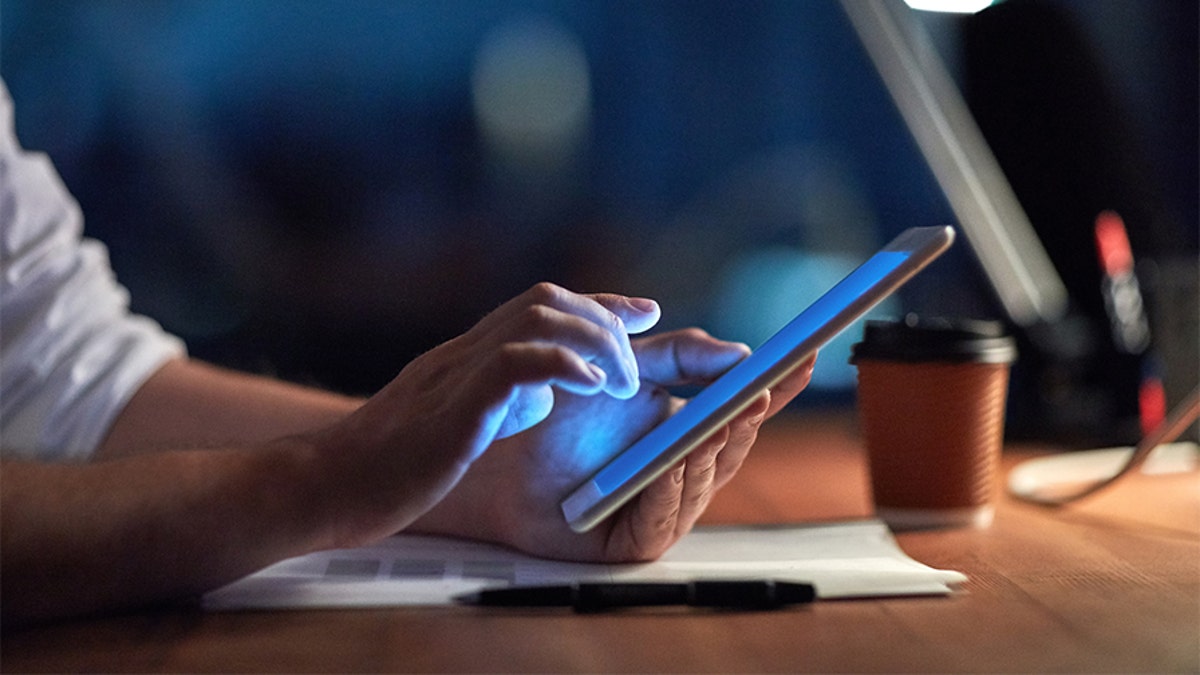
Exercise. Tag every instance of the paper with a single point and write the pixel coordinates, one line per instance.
(842, 560)
(1033, 477)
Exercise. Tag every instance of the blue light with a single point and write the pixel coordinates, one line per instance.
(765, 288)
(950, 6)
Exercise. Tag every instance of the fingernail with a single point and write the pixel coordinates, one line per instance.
(645, 305)
(598, 374)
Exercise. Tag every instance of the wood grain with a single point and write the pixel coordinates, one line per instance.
(1109, 585)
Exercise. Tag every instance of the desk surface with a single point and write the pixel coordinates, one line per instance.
(1110, 585)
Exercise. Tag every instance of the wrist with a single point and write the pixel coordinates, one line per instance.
(471, 510)
(359, 488)
(294, 480)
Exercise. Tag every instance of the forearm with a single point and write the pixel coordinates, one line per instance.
(221, 500)
(190, 404)
(78, 538)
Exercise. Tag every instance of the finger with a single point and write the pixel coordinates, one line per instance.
(632, 315)
(699, 480)
(645, 528)
(792, 384)
(638, 314)
(743, 431)
(686, 356)
(515, 365)
(608, 348)
(554, 314)
(667, 508)
(513, 385)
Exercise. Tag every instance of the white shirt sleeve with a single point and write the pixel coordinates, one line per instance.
(71, 353)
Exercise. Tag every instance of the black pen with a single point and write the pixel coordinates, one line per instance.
(599, 597)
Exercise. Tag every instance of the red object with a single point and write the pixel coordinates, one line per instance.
(1152, 404)
(1112, 243)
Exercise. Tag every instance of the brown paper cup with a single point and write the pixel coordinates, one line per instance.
(931, 400)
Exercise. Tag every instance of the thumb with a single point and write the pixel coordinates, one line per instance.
(686, 356)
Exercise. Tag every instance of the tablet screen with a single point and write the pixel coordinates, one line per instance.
(721, 391)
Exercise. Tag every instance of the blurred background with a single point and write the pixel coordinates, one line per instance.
(321, 190)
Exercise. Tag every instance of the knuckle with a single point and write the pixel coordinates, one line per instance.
(615, 324)
(756, 414)
(702, 470)
(695, 500)
(545, 292)
(505, 360)
(559, 358)
(536, 319)
(664, 520)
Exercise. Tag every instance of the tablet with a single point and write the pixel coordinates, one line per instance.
(718, 403)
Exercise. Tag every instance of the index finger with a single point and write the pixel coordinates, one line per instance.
(615, 315)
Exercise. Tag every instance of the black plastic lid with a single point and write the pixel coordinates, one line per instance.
(935, 339)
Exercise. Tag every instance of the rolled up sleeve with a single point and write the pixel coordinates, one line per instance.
(71, 352)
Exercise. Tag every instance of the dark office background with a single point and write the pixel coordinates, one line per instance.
(321, 190)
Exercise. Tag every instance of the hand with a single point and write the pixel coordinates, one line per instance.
(511, 495)
(404, 449)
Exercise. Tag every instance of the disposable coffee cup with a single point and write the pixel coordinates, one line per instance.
(931, 400)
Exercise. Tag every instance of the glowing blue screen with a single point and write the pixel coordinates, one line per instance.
(707, 402)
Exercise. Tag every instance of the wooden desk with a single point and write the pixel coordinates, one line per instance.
(1112, 585)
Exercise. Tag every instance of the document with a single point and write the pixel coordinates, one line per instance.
(842, 560)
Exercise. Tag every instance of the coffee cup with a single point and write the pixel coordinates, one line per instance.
(931, 403)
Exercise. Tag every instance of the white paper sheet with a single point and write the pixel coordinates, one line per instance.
(1078, 468)
(843, 560)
